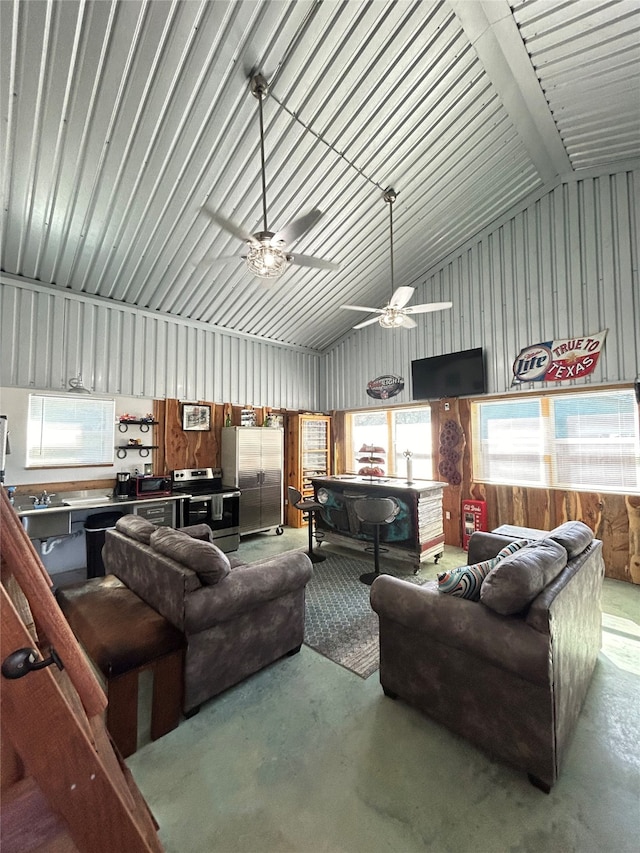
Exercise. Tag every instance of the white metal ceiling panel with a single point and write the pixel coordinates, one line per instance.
(124, 117)
(587, 58)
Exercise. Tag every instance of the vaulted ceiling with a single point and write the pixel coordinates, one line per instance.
(122, 118)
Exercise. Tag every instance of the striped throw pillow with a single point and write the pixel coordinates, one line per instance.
(466, 581)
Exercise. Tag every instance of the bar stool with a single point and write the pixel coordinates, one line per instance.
(375, 511)
(309, 506)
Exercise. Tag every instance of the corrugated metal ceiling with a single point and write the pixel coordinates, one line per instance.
(123, 118)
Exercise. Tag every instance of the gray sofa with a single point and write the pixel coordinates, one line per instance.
(237, 618)
(508, 672)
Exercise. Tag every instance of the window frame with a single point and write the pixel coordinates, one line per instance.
(390, 468)
(551, 442)
(106, 444)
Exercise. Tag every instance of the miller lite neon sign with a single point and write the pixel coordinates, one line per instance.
(557, 361)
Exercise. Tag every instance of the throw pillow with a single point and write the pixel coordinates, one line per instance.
(466, 581)
(135, 527)
(204, 558)
(574, 536)
(516, 580)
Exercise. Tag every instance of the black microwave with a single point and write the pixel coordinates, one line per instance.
(149, 486)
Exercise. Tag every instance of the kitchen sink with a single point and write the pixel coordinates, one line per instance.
(86, 501)
(46, 524)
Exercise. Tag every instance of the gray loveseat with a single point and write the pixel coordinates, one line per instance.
(511, 680)
(237, 618)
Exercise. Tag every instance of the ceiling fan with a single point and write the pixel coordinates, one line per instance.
(268, 253)
(396, 312)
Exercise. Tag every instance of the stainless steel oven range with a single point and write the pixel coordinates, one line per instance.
(207, 500)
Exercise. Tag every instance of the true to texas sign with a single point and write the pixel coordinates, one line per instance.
(555, 361)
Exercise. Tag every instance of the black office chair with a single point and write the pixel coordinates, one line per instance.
(309, 506)
(375, 511)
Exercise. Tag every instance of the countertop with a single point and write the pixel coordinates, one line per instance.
(83, 500)
(395, 483)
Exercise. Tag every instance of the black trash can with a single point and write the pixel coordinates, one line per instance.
(94, 531)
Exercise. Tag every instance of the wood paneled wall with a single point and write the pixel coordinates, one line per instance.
(614, 518)
(178, 448)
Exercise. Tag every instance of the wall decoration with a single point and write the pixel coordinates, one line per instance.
(248, 418)
(559, 360)
(451, 435)
(383, 387)
(196, 417)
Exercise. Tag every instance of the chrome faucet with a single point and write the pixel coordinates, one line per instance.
(43, 500)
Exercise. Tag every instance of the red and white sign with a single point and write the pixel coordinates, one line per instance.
(556, 361)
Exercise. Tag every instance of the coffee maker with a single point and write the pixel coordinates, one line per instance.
(121, 491)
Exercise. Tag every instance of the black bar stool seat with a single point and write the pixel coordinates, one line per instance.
(309, 506)
(375, 511)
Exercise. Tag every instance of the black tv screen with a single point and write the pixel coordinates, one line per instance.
(455, 374)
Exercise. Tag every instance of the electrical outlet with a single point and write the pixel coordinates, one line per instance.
(447, 515)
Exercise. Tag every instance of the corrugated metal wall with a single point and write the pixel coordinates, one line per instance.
(564, 265)
(48, 337)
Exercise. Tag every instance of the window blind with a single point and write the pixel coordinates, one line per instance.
(69, 431)
(583, 441)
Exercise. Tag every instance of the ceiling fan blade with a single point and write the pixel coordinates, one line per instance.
(228, 225)
(363, 308)
(431, 306)
(408, 323)
(317, 263)
(401, 296)
(294, 230)
(366, 323)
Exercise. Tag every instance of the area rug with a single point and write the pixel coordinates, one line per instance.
(340, 623)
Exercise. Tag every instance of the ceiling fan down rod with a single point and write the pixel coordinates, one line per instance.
(259, 88)
(390, 196)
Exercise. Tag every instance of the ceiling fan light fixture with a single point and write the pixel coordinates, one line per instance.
(265, 260)
(391, 319)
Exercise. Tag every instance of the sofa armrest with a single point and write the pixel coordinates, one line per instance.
(245, 588)
(506, 641)
(162, 583)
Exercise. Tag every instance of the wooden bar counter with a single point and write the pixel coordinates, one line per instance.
(415, 535)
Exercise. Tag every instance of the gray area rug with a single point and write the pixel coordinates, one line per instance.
(340, 623)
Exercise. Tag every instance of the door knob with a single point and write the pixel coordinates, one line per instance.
(23, 661)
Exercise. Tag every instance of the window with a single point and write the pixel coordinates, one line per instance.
(69, 431)
(587, 441)
(395, 430)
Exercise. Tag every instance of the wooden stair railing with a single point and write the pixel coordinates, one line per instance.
(55, 747)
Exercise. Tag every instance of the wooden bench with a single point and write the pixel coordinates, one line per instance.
(123, 636)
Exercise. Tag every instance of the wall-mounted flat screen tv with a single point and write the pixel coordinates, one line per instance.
(456, 374)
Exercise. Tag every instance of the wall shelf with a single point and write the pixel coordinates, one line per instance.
(143, 449)
(123, 426)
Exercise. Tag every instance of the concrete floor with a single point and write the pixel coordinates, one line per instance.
(306, 757)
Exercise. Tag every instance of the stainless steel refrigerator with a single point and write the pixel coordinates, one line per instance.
(253, 461)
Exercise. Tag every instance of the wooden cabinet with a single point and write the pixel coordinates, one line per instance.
(309, 456)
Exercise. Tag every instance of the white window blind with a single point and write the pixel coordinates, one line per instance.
(587, 441)
(69, 431)
(595, 441)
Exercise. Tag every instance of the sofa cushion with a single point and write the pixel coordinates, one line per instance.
(135, 527)
(516, 580)
(574, 536)
(204, 558)
(466, 581)
(198, 531)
